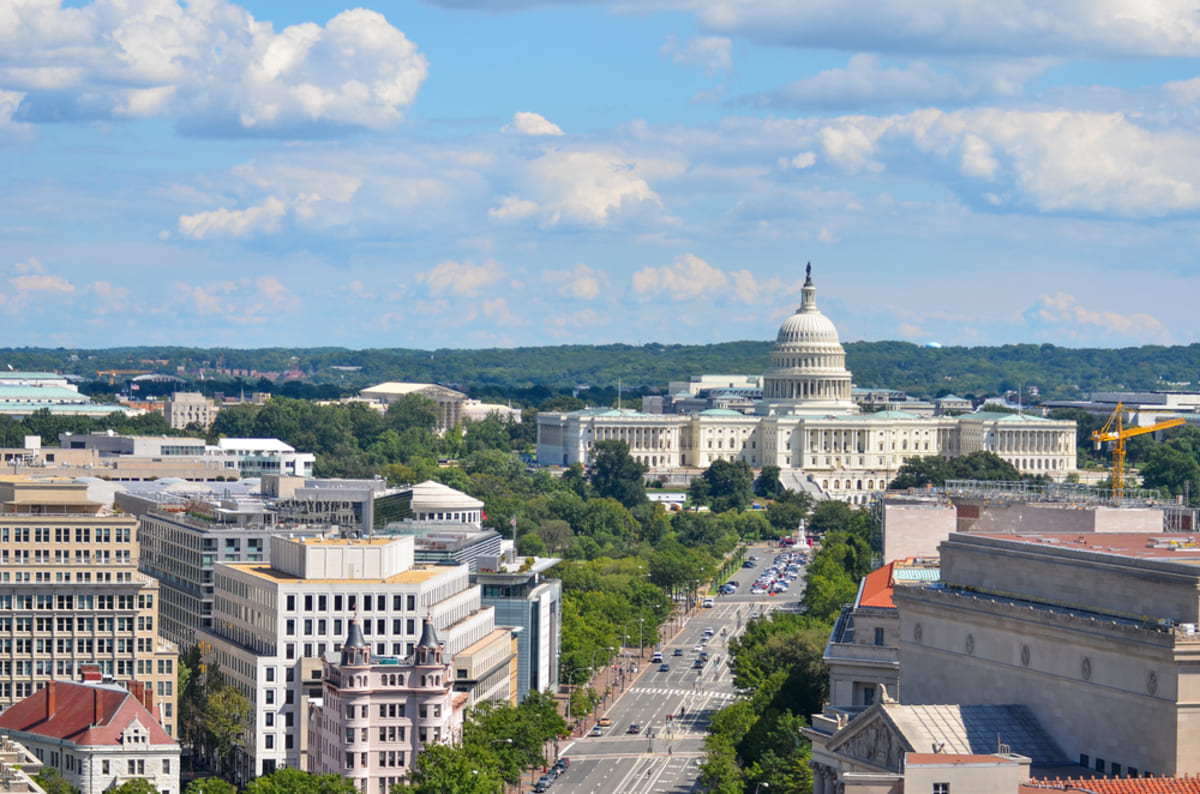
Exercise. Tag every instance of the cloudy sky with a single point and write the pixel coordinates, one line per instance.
(477, 173)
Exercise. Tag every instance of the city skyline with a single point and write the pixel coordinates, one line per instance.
(479, 173)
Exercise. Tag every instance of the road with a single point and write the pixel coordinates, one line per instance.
(665, 756)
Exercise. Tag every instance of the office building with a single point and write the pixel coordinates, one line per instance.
(273, 623)
(71, 595)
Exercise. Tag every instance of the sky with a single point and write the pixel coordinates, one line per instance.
(498, 173)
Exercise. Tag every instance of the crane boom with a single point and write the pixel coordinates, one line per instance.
(1115, 432)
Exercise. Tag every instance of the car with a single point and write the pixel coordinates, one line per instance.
(562, 764)
(749, 564)
(709, 631)
(634, 728)
(708, 603)
(677, 652)
(704, 640)
(604, 722)
(698, 664)
(544, 782)
(596, 731)
(664, 668)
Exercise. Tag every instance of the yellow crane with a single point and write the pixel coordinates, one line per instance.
(1115, 432)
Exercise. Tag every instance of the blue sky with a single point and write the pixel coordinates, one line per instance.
(462, 173)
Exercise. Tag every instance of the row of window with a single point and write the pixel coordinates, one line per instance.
(85, 602)
(351, 603)
(378, 626)
(63, 534)
(1114, 769)
(67, 624)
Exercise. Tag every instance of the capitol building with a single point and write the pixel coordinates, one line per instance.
(807, 424)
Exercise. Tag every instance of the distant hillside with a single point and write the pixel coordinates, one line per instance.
(529, 374)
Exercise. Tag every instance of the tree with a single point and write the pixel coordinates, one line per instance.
(209, 785)
(412, 411)
(730, 484)
(226, 719)
(137, 785)
(294, 781)
(617, 475)
(768, 485)
(443, 769)
(52, 781)
(1171, 468)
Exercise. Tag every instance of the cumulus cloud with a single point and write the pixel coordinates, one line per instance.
(581, 282)
(210, 66)
(1070, 28)
(496, 310)
(689, 277)
(588, 188)
(865, 82)
(1063, 314)
(263, 218)
(710, 53)
(531, 124)
(460, 279)
(42, 283)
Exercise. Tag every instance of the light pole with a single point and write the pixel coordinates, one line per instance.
(641, 646)
(761, 784)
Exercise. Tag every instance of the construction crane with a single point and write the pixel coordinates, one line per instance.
(1115, 432)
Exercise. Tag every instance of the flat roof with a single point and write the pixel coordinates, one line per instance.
(1173, 547)
(415, 575)
(941, 759)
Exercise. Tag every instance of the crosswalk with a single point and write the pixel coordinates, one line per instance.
(687, 693)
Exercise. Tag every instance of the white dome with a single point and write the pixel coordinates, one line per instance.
(807, 326)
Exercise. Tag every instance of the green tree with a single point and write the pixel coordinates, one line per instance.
(443, 769)
(295, 781)
(616, 475)
(768, 485)
(137, 785)
(209, 785)
(1171, 468)
(226, 720)
(412, 411)
(730, 484)
(52, 781)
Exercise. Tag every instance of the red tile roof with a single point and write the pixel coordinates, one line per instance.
(84, 714)
(877, 588)
(1112, 785)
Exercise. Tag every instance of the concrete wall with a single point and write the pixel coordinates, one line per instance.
(1107, 690)
(915, 530)
(1074, 574)
(977, 515)
(1001, 777)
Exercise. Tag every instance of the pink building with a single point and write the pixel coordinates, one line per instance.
(376, 715)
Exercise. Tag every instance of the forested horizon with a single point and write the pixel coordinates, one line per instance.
(530, 374)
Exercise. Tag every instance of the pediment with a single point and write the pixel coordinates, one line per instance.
(871, 739)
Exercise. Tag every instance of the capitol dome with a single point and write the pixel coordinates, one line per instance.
(808, 363)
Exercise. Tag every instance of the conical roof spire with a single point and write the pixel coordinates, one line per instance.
(428, 636)
(355, 638)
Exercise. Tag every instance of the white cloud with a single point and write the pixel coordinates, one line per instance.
(1069, 28)
(800, 161)
(589, 188)
(42, 283)
(513, 208)
(710, 53)
(208, 65)
(531, 124)
(498, 312)
(264, 218)
(1063, 314)
(688, 278)
(864, 81)
(581, 282)
(460, 279)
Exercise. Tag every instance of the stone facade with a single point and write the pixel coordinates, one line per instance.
(1096, 635)
(808, 421)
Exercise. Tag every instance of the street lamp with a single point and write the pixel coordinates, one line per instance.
(641, 646)
(761, 784)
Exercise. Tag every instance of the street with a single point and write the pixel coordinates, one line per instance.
(672, 708)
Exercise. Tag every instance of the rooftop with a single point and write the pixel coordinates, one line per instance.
(877, 588)
(1129, 785)
(1132, 545)
(941, 759)
(415, 575)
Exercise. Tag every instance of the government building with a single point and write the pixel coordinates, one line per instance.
(808, 425)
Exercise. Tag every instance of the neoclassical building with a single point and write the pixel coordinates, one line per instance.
(807, 423)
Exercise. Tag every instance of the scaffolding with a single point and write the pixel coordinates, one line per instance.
(1064, 493)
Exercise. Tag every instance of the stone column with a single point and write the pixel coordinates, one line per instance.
(818, 773)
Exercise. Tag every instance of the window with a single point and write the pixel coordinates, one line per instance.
(1084, 760)
(879, 636)
(1099, 764)
(941, 788)
(1116, 770)
(104, 768)
(166, 766)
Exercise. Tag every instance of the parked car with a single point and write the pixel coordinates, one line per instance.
(544, 782)
(562, 764)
